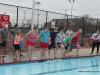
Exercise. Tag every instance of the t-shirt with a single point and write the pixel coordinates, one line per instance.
(14, 31)
(44, 36)
(4, 33)
(53, 36)
(60, 38)
(68, 33)
(67, 40)
(76, 39)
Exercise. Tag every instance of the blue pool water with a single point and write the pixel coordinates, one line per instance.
(75, 66)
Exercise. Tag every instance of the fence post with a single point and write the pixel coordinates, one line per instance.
(64, 22)
(17, 16)
(82, 33)
(97, 25)
(67, 21)
(46, 17)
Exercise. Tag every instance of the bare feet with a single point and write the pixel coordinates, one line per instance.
(30, 59)
(15, 58)
(41, 57)
(3, 55)
(77, 55)
(66, 55)
(49, 57)
(27, 59)
(63, 56)
(18, 59)
(55, 57)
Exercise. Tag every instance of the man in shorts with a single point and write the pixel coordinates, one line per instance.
(53, 38)
(3, 38)
(45, 40)
(75, 41)
(13, 32)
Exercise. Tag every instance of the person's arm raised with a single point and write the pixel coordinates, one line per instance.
(74, 36)
(27, 34)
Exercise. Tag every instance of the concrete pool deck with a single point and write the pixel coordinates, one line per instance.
(83, 52)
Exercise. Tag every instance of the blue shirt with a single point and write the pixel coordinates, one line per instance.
(44, 36)
(60, 38)
(53, 36)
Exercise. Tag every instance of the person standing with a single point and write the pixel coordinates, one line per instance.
(60, 38)
(3, 38)
(17, 39)
(31, 41)
(68, 32)
(53, 38)
(96, 37)
(45, 40)
(75, 41)
(13, 32)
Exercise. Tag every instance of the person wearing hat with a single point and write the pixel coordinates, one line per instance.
(13, 32)
(3, 38)
(68, 32)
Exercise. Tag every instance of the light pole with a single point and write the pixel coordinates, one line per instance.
(24, 19)
(33, 14)
(38, 3)
(65, 17)
(5, 13)
(72, 2)
(13, 22)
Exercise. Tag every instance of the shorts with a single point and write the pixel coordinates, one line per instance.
(16, 46)
(19, 44)
(3, 44)
(53, 45)
(74, 45)
(43, 45)
(66, 47)
(59, 43)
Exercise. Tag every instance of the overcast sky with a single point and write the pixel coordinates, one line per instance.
(80, 7)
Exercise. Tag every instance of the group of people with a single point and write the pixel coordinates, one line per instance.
(47, 40)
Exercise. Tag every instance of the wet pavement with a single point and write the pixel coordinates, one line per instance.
(36, 56)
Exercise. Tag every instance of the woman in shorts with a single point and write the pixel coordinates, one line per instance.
(60, 38)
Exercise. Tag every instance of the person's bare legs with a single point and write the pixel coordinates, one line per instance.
(61, 45)
(28, 53)
(4, 48)
(48, 53)
(77, 52)
(32, 48)
(56, 47)
(17, 55)
(41, 53)
(0, 51)
(55, 52)
(67, 52)
(20, 50)
(44, 53)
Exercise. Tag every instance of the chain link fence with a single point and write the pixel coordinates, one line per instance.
(22, 16)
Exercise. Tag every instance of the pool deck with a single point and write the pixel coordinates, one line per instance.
(83, 52)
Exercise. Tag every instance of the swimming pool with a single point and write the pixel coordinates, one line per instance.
(73, 66)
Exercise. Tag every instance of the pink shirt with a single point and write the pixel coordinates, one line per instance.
(76, 39)
(32, 37)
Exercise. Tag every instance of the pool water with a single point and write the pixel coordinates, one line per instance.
(75, 66)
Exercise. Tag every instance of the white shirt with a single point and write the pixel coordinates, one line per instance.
(95, 35)
(68, 33)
